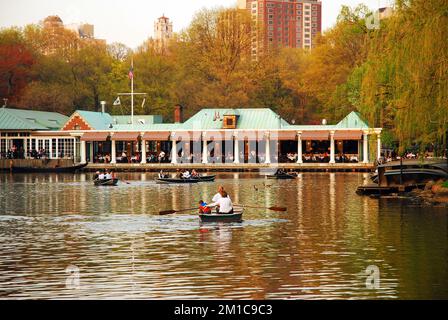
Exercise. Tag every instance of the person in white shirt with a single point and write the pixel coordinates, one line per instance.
(101, 176)
(218, 196)
(108, 176)
(224, 203)
(186, 175)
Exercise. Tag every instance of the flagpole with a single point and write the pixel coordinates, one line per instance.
(132, 93)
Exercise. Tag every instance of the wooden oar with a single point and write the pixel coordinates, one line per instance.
(282, 209)
(163, 213)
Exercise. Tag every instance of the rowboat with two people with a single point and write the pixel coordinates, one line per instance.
(184, 177)
(221, 209)
(105, 179)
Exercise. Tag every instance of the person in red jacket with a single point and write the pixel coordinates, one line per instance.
(203, 209)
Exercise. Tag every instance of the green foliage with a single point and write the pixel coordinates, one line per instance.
(445, 184)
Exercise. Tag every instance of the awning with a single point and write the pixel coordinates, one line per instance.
(95, 136)
(250, 135)
(283, 135)
(315, 135)
(156, 136)
(219, 136)
(348, 135)
(186, 136)
(125, 136)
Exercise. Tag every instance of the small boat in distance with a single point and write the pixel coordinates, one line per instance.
(176, 180)
(236, 216)
(69, 169)
(205, 178)
(106, 182)
(285, 176)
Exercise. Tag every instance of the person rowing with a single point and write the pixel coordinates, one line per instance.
(224, 204)
(162, 175)
(194, 174)
(218, 196)
(108, 175)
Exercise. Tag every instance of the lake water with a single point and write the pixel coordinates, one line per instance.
(62, 237)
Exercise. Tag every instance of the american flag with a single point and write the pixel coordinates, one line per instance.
(131, 72)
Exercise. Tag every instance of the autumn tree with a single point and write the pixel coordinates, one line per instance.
(16, 62)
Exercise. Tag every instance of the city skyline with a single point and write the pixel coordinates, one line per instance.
(136, 25)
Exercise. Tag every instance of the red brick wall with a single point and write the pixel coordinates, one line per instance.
(76, 120)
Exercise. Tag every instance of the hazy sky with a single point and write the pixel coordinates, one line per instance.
(132, 21)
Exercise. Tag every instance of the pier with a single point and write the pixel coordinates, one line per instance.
(232, 167)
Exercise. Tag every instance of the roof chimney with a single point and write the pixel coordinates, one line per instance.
(103, 106)
(178, 114)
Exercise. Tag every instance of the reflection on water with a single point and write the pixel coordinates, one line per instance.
(319, 248)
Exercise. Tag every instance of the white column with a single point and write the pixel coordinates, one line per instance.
(174, 150)
(378, 152)
(83, 152)
(204, 149)
(365, 153)
(57, 148)
(113, 151)
(50, 148)
(143, 153)
(74, 149)
(91, 151)
(299, 147)
(268, 148)
(332, 147)
(236, 153)
(36, 144)
(25, 148)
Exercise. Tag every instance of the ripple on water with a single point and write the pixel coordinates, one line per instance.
(318, 249)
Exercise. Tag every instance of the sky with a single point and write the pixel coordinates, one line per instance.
(132, 21)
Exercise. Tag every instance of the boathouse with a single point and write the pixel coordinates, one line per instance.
(211, 136)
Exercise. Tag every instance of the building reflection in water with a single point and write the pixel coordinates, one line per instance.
(319, 248)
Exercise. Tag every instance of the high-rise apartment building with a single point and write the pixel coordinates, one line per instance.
(284, 23)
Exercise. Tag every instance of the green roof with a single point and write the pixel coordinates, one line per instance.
(211, 119)
(103, 121)
(96, 120)
(353, 120)
(19, 119)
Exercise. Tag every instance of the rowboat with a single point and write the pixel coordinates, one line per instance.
(176, 180)
(106, 182)
(236, 216)
(281, 176)
(205, 178)
(48, 170)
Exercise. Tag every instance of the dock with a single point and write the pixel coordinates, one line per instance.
(233, 167)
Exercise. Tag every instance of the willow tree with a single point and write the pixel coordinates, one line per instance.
(336, 53)
(405, 78)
